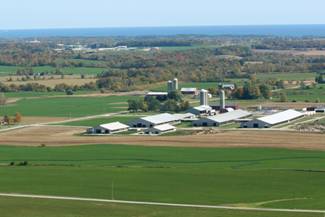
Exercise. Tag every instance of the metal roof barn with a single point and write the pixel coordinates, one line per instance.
(274, 119)
(154, 120)
(281, 117)
(222, 118)
(109, 128)
(203, 109)
(186, 116)
(164, 128)
(230, 116)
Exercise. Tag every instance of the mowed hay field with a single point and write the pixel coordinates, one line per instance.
(55, 208)
(11, 70)
(69, 80)
(67, 106)
(249, 177)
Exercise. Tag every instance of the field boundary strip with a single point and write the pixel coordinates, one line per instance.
(158, 203)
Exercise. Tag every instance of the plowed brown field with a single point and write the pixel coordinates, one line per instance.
(62, 136)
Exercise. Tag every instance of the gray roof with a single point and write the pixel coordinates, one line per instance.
(160, 118)
(184, 116)
(281, 117)
(202, 108)
(230, 116)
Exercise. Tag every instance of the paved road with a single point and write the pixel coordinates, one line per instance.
(159, 204)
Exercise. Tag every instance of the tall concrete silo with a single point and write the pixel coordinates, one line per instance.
(204, 98)
(175, 84)
(169, 86)
(222, 99)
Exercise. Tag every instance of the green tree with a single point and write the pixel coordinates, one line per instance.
(18, 117)
(175, 95)
(283, 97)
(153, 104)
(170, 105)
(265, 91)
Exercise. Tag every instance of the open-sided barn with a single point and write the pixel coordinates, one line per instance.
(160, 129)
(272, 120)
(110, 128)
(154, 120)
(222, 118)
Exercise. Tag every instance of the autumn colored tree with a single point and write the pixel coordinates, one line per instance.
(18, 117)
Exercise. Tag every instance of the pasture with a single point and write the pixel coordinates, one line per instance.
(287, 76)
(49, 82)
(312, 94)
(11, 70)
(251, 177)
(66, 106)
(54, 208)
(97, 121)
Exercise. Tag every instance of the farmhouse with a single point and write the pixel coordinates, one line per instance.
(160, 129)
(110, 128)
(222, 118)
(154, 120)
(201, 110)
(189, 91)
(272, 120)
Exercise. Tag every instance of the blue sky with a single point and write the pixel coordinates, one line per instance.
(27, 14)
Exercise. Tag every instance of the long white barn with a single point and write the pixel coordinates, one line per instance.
(222, 118)
(272, 120)
(154, 120)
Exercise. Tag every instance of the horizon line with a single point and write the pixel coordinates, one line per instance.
(162, 26)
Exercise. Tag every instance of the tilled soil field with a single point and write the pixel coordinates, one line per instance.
(66, 136)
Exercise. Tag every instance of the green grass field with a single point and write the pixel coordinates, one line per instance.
(199, 85)
(276, 178)
(52, 208)
(7, 70)
(287, 76)
(306, 95)
(29, 94)
(97, 121)
(66, 106)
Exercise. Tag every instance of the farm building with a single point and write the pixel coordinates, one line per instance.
(272, 120)
(220, 119)
(189, 91)
(227, 86)
(160, 129)
(154, 120)
(185, 117)
(157, 95)
(110, 128)
(200, 110)
(320, 110)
